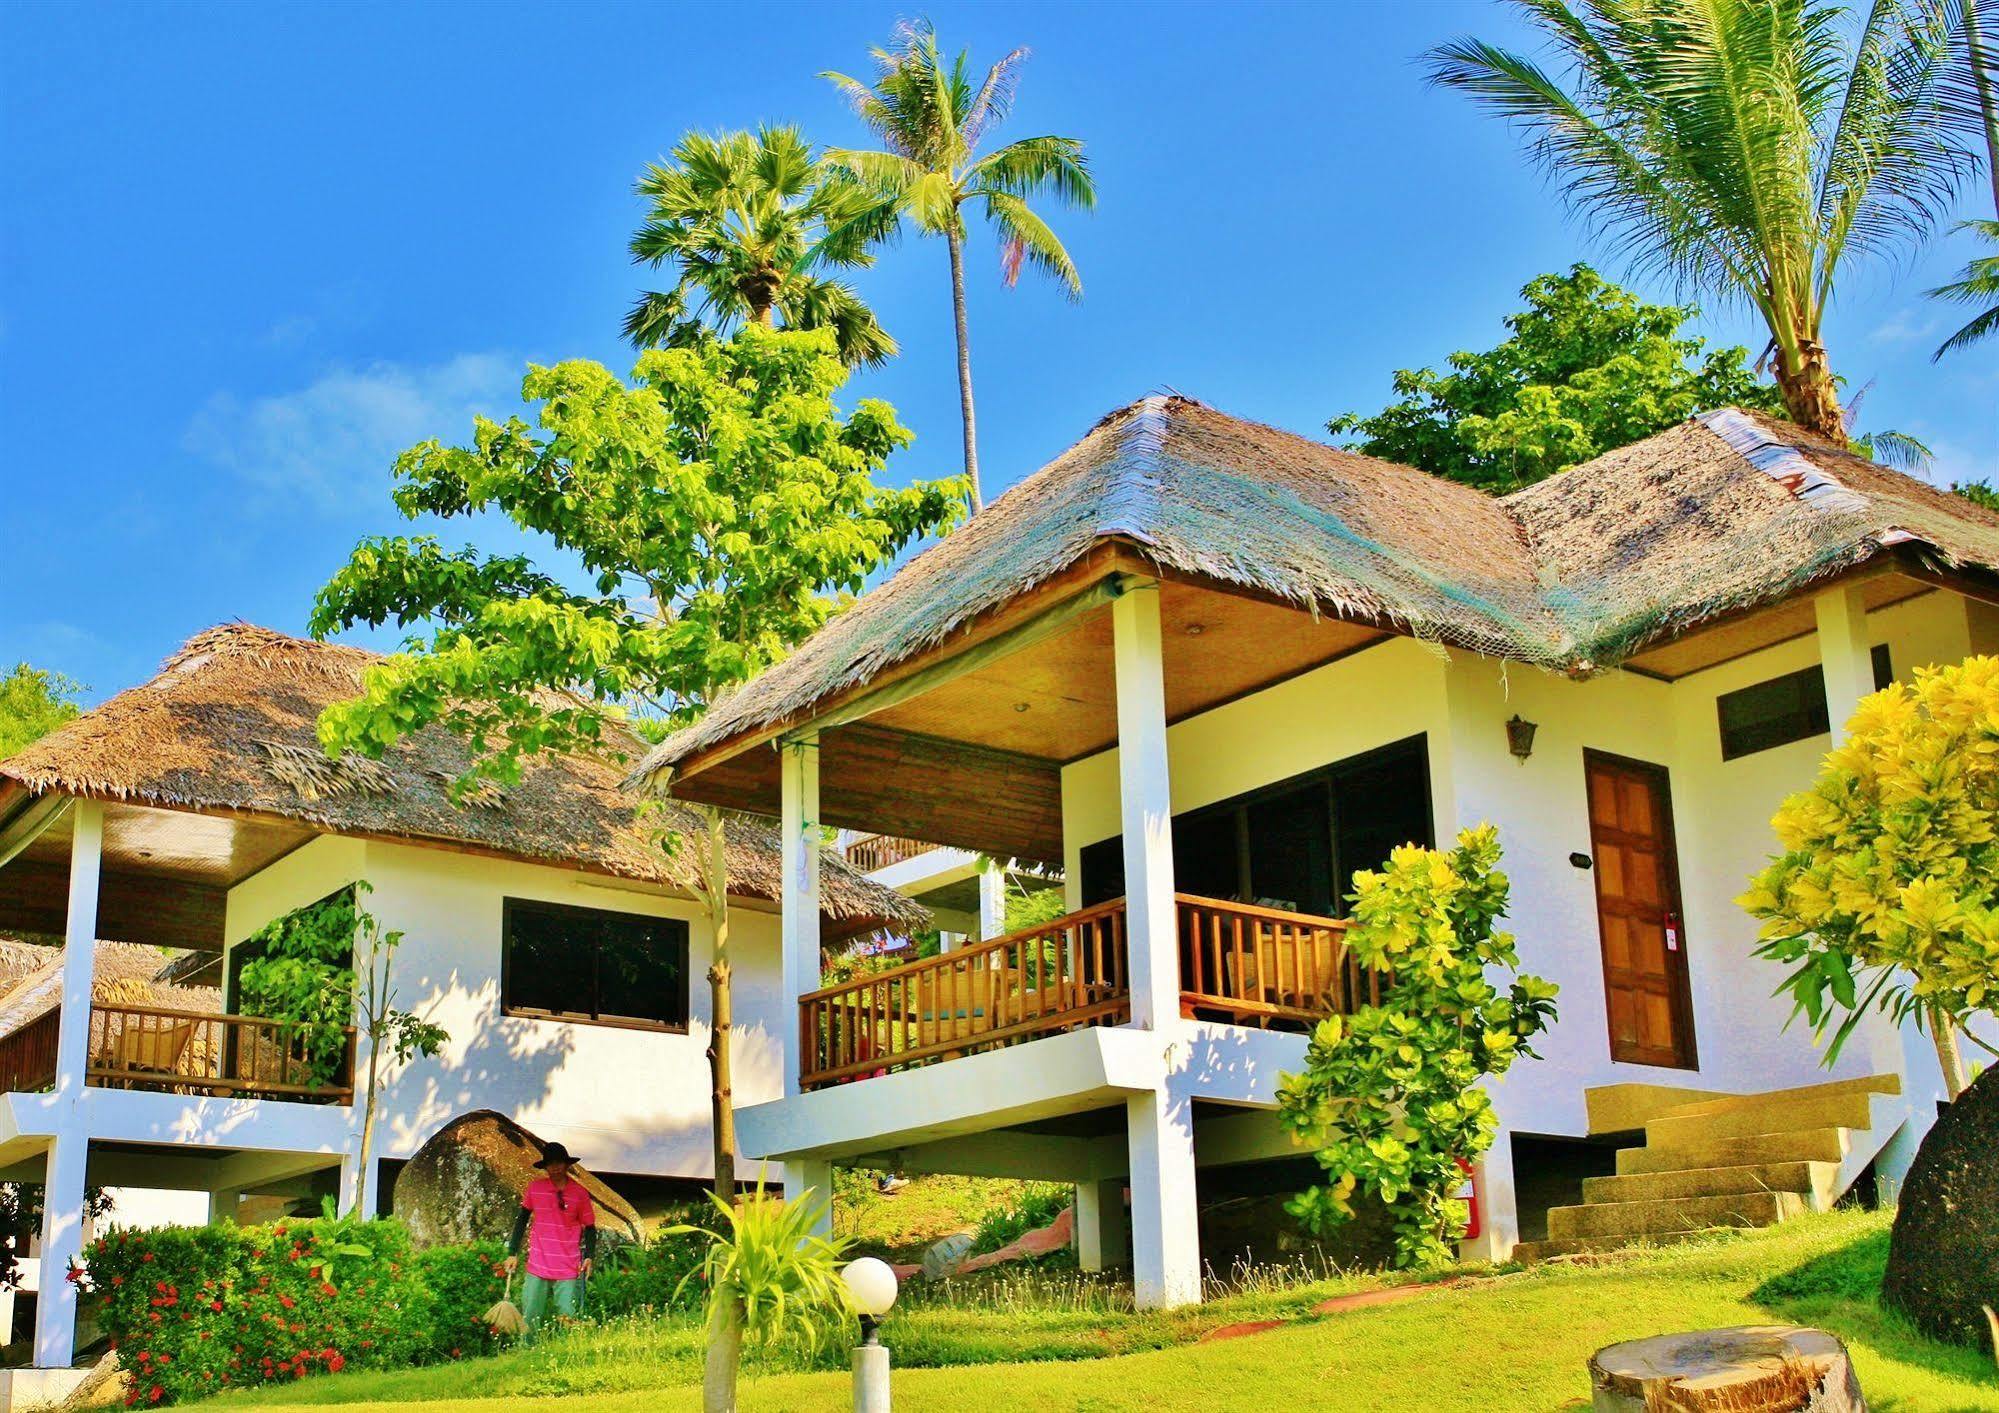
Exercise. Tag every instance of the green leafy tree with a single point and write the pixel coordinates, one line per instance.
(1389, 1096)
(1585, 368)
(33, 702)
(931, 119)
(718, 505)
(749, 224)
(1886, 894)
(1976, 285)
(301, 972)
(385, 1028)
(1748, 148)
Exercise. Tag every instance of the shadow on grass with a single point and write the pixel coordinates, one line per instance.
(1840, 1291)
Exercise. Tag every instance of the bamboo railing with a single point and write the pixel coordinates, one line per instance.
(1239, 963)
(199, 1052)
(1262, 966)
(877, 851)
(1063, 974)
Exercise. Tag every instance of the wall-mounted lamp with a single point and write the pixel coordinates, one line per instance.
(1520, 738)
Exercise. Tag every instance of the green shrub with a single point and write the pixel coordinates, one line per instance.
(1038, 1204)
(193, 1310)
(464, 1282)
(657, 1276)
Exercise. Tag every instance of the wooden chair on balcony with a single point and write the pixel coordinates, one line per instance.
(147, 1050)
(1292, 979)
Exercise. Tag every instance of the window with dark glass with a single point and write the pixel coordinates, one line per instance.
(1783, 709)
(1295, 845)
(587, 964)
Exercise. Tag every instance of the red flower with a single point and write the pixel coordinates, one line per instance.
(336, 1361)
(155, 1393)
(326, 1288)
(287, 1302)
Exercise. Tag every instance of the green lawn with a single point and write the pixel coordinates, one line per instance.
(1515, 1341)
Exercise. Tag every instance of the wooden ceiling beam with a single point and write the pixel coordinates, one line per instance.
(131, 907)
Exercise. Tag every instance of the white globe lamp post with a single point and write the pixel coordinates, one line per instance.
(871, 1285)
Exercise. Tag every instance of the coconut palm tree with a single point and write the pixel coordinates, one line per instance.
(931, 120)
(1750, 148)
(747, 222)
(1979, 285)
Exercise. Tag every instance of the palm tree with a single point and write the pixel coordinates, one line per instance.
(931, 120)
(746, 221)
(1978, 284)
(1744, 146)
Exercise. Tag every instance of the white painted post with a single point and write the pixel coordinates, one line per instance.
(1146, 805)
(1103, 1233)
(69, 1150)
(992, 902)
(799, 904)
(1165, 1221)
(803, 1175)
(1845, 655)
(224, 1204)
(1498, 1204)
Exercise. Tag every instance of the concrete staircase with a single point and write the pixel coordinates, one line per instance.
(1726, 1160)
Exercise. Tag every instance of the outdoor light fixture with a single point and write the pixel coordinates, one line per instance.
(1520, 737)
(871, 1286)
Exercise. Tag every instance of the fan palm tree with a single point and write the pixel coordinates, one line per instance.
(747, 222)
(1747, 147)
(931, 120)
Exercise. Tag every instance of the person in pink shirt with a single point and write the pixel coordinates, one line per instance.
(558, 1222)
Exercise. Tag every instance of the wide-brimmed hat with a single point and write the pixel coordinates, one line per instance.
(555, 1153)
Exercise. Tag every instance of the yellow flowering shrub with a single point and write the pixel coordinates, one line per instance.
(1885, 894)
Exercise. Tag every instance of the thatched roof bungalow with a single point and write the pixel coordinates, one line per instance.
(212, 770)
(985, 659)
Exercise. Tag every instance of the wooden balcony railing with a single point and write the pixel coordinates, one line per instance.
(199, 1052)
(1249, 965)
(874, 851)
(28, 1055)
(1260, 966)
(1063, 974)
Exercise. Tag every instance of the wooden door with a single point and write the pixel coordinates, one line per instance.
(1638, 912)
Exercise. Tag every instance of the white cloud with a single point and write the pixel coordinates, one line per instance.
(1907, 325)
(332, 442)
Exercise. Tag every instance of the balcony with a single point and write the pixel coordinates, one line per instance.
(873, 852)
(1239, 963)
(184, 1052)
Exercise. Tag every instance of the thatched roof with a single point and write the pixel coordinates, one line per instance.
(122, 973)
(1572, 574)
(229, 724)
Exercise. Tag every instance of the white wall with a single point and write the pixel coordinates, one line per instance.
(624, 1100)
(1721, 814)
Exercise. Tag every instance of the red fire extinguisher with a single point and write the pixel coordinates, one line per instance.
(1469, 1194)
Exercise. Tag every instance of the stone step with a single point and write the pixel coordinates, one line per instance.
(1722, 1103)
(1528, 1252)
(1851, 1110)
(1639, 1219)
(1813, 1181)
(1806, 1145)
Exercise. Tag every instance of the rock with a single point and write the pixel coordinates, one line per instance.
(946, 1254)
(1743, 1369)
(465, 1185)
(1943, 1254)
(102, 1387)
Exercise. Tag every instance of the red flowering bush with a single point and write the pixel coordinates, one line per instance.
(193, 1310)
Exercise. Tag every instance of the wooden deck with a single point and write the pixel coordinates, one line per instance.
(877, 851)
(183, 1052)
(1238, 963)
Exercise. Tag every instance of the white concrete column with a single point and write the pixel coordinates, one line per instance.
(224, 1204)
(1146, 806)
(1845, 653)
(371, 1191)
(1103, 1232)
(799, 904)
(802, 1176)
(69, 1151)
(1165, 1221)
(1498, 1206)
(992, 902)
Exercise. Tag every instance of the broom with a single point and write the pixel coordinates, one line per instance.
(505, 1317)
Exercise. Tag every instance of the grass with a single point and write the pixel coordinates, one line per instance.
(1040, 1341)
(898, 1227)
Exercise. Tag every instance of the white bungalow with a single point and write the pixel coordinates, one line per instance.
(1210, 669)
(545, 931)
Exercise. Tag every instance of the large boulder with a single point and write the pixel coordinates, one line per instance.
(1943, 1255)
(465, 1184)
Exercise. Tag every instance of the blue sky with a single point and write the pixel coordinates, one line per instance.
(247, 253)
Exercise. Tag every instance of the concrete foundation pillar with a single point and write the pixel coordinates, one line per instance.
(802, 1176)
(1498, 1207)
(1165, 1220)
(1103, 1229)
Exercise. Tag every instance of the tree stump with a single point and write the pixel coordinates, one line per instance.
(1744, 1369)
